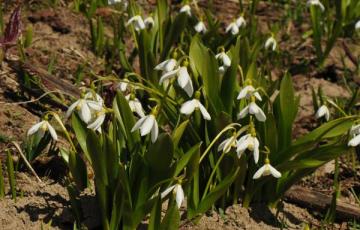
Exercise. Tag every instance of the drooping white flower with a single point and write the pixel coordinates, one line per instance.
(200, 27)
(92, 96)
(149, 22)
(82, 106)
(323, 111)
(355, 134)
(253, 109)
(247, 92)
(98, 121)
(146, 125)
(266, 170)
(135, 105)
(189, 107)
(123, 86)
(249, 142)
(183, 79)
(240, 22)
(42, 127)
(186, 9)
(271, 43)
(224, 58)
(227, 144)
(167, 65)
(357, 25)
(177, 191)
(316, 3)
(233, 28)
(137, 21)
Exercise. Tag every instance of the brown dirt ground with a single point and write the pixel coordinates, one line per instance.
(63, 34)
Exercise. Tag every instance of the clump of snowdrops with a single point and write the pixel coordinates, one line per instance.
(200, 123)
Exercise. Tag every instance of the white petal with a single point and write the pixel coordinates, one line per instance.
(35, 128)
(256, 150)
(161, 66)
(188, 107)
(257, 95)
(138, 124)
(200, 27)
(147, 125)
(259, 172)
(242, 146)
(222, 145)
(168, 75)
(149, 22)
(240, 22)
(71, 108)
(357, 25)
(245, 92)
(186, 9)
(167, 191)
(179, 195)
(274, 172)
(253, 108)
(138, 108)
(154, 132)
(189, 89)
(52, 131)
(85, 113)
(97, 123)
(183, 77)
(94, 105)
(204, 112)
(243, 112)
(354, 141)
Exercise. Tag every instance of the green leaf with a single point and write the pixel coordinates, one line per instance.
(171, 220)
(78, 170)
(160, 153)
(188, 157)
(81, 132)
(155, 216)
(97, 157)
(178, 133)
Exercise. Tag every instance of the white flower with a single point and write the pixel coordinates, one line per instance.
(227, 144)
(316, 3)
(95, 97)
(248, 142)
(146, 125)
(233, 28)
(167, 65)
(247, 92)
(137, 21)
(112, 2)
(183, 79)
(253, 109)
(149, 22)
(323, 111)
(271, 43)
(224, 58)
(178, 191)
(266, 170)
(186, 9)
(123, 85)
(200, 27)
(357, 25)
(42, 127)
(82, 106)
(99, 119)
(355, 134)
(189, 107)
(135, 105)
(240, 22)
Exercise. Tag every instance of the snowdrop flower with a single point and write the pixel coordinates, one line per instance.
(227, 144)
(233, 28)
(266, 170)
(240, 22)
(186, 9)
(149, 22)
(82, 106)
(42, 127)
(137, 21)
(357, 25)
(271, 43)
(177, 191)
(189, 107)
(316, 3)
(96, 98)
(200, 27)
(225, 60)
(146, 125)
(183, 79)
(247, 92)
(355, 133)
(253, 109)
(100, 118)
(123, 86)
(135, 105)
(323, 111)
(250, 142)
(167, 65)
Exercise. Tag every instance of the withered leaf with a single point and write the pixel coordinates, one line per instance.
(13, 28)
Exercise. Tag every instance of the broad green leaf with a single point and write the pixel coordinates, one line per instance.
(97, 157)
(78, 170)
(81, 132)
(160, 154)
(171, 219)
(178, 133)
(187, 157)
(155, 215)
